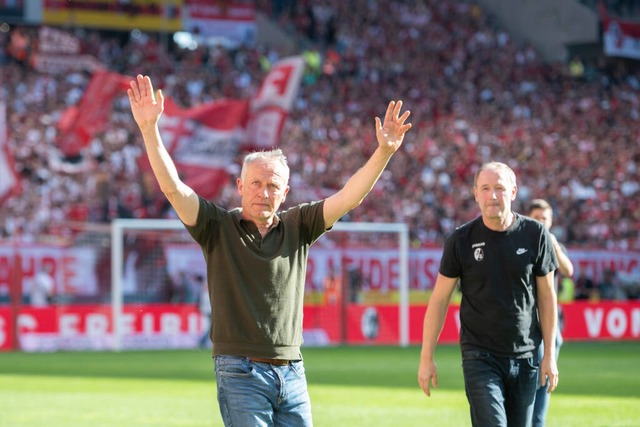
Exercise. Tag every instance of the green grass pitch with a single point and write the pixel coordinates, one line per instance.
(349, 386)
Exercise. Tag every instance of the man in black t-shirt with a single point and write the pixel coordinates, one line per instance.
(505, 263)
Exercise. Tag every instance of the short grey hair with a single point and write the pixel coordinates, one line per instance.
(497, 166)
(274, 155)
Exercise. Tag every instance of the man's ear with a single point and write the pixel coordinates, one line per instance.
(239, 184)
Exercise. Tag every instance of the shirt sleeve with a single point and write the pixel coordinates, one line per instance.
(450, 265)
(547, 261)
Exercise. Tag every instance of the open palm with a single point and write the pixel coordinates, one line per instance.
(144, 106)
(390, 134)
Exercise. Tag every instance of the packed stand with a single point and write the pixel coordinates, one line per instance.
(474, 94)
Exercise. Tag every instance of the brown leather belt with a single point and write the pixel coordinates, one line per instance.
(277, 362)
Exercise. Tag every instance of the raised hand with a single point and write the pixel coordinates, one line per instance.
(391, 133)
(146, 108)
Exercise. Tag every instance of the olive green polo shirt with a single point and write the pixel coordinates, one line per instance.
(256, 284)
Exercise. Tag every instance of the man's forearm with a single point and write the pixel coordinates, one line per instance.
(365, 178)
(548, 313)
(164, 169)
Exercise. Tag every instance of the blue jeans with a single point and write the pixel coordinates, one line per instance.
(542, 397)
(500, 390)
(259, 394)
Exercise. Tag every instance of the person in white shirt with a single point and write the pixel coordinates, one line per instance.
(42, 287)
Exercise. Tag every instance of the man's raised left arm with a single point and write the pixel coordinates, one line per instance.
(390, 135)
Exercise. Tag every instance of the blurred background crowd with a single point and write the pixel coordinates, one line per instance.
(569, 130)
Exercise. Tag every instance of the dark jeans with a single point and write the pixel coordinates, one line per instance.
(500, 390)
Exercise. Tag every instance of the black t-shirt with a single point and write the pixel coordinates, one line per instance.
(497, 272)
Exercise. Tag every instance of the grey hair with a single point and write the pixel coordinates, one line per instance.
(274, 155)
(497, 166)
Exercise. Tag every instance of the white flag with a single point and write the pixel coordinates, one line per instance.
(9, 183)
(271, 106)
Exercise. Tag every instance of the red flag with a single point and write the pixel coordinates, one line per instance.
(203, 141)
(80, 123)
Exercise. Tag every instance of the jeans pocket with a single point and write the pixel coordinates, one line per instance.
(531, 363)
(238, 367)
(298, 368)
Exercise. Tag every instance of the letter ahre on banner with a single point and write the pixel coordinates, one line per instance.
(73, 268)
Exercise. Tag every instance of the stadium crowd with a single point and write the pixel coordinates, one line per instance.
(474, 94)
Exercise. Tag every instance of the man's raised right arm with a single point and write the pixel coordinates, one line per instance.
(147, 110)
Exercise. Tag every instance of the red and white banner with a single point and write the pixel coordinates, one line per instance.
(90, 327)
(74, 269)
(233, 21)
(379, 324)
(606, 320)
(271, 105)
(58, 52)
(9, 183)
(375, 320)
(380, 268)
(204, 141)
(619, 37)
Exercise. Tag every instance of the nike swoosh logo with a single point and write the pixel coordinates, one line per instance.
(521, 251)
